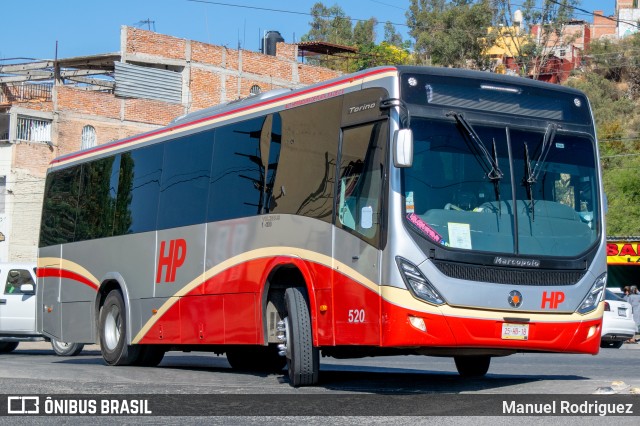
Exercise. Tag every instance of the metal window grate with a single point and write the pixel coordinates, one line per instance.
(88, 137)
(33, 130)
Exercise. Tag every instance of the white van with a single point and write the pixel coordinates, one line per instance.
(18, 310)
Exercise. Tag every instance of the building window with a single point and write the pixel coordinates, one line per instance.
(33, 130)
(562, 53)
(255, 89)
(88, 137)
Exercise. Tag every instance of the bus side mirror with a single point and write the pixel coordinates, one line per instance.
(403, 148)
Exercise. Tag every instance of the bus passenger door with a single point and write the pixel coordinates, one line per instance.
(357, 237)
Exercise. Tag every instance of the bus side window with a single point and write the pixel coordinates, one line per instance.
(361, 174)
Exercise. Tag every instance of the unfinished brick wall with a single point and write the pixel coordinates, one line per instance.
(602, 26)
(144, 42)
(32, 158)
(216, 73)
(206, 88)
(70, 131)
(85, 102)
(150, 111)
(207, 53)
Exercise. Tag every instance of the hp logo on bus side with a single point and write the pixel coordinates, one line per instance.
(515, 299)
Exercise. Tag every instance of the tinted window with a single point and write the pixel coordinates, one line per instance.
(15, 278)
(361, 178)
(98, 190)
(60, 207)
(274, 140)
(138, 190)
(305, 175)
(238, 172)
(185, 181)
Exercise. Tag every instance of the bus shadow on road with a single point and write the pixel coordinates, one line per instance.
(410, 381)
(350, 377)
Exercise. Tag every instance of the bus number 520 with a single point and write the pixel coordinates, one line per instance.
(356, 315)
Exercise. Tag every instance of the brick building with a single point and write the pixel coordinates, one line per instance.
(603, 27)
(50, 108)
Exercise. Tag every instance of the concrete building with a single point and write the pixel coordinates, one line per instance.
(54, 107)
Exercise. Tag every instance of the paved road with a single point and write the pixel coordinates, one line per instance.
(34, 369)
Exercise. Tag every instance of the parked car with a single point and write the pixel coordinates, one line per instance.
(18, 310)
(617, 322)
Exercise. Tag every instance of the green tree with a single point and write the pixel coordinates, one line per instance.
(391, 36)
(619, 147)
(451, 33)
(332, 25)
(329, 24)
(364, 32)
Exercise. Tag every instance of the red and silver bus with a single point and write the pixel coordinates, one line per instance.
(398, 210)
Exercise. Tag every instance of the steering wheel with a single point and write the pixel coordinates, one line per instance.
(450, 206)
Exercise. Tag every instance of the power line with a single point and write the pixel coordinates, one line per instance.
(293, 12)
(633, 24)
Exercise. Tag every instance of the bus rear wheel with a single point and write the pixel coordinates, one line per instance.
(66, 349)
(472, 365)
(113, 332)
(303, 359)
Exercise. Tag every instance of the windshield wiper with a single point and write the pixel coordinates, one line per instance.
(527, 180)
(547, 141)
(531, 176)
(488, 163)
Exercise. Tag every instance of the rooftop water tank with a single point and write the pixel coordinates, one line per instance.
(271, 38)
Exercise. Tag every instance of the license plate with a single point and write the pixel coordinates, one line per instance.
(515, 331)
(622, 312)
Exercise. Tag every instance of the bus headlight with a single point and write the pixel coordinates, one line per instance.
(595, 295)
(417, 283)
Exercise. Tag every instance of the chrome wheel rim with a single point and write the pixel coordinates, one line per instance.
(112, 328)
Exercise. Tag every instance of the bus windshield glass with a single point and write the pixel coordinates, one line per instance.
(502, 189)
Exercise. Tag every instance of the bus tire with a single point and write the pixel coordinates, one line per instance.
(303, 360)
(472, 366)
(150, 355)
(113, 332)
(6, 347)
(66, 349)
(263, 359)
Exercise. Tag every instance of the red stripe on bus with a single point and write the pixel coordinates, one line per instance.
(227, 309)
(91, 151)
(63, 273)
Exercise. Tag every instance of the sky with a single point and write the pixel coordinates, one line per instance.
(31, 28)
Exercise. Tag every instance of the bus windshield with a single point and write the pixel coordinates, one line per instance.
(473, 185)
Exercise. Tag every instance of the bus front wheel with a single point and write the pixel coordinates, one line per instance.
(473, 365)
(303, 360)
(113, 332)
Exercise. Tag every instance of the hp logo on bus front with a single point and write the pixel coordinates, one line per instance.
(515, 299)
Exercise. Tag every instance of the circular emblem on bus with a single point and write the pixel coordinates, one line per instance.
(515, 299)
